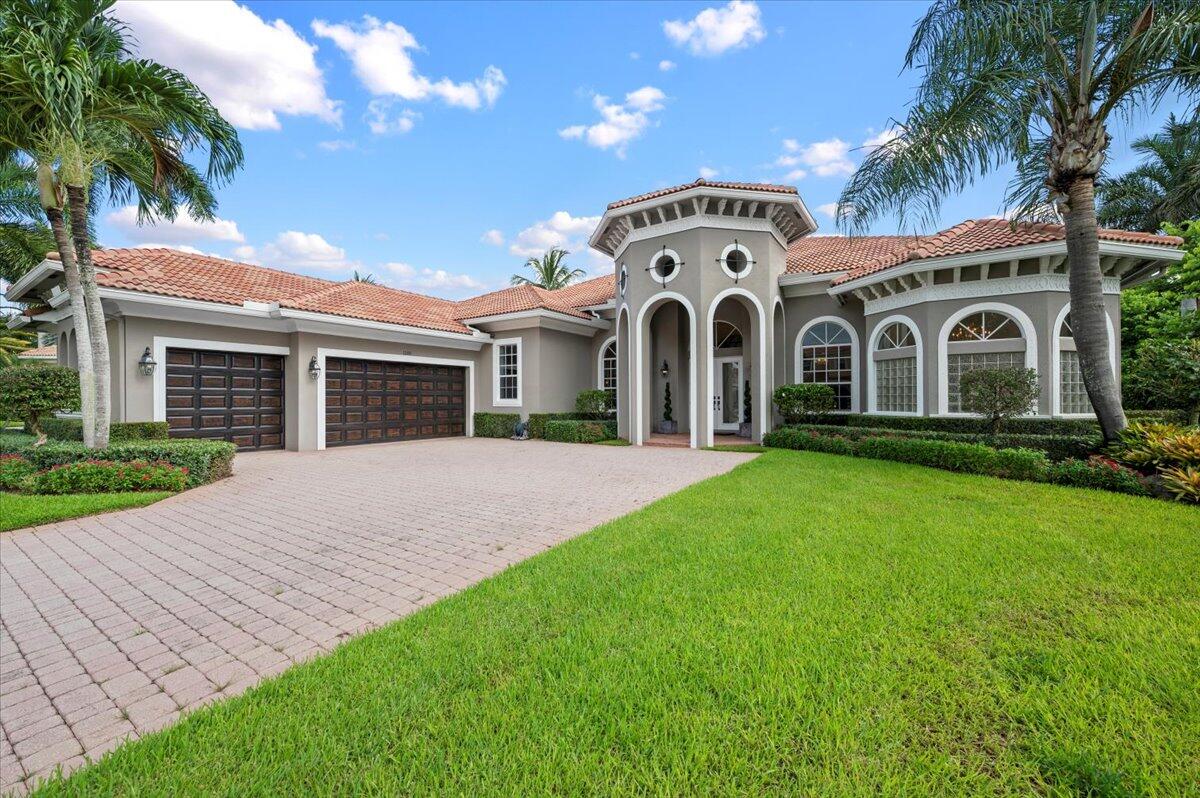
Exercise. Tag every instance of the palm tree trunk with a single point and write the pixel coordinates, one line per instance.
(1088, 321)
(78, 201)
(83, 338)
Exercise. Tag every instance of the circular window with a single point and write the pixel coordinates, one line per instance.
(623, 279)
(736, 261)
(664, 265)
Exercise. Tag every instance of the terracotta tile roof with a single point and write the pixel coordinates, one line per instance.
(39, 353)
(527, 297)
(662, 192)
(981, 235)
(380, 303)
(596, 291)
(824, 254)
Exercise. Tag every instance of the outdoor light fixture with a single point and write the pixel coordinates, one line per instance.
(314, 370)
(146, 363)
(665, 371)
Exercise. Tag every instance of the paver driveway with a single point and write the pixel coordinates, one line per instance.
(111, 626)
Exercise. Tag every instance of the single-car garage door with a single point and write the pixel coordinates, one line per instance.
(370, 401)
(229, 396)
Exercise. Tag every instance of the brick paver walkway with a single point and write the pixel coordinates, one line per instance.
(113, 625)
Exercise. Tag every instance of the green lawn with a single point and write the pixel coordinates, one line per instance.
(807, 624)
(20, 509)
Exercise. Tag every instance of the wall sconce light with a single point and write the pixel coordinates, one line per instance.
(314, 370)
(665, 371)
(146, 363)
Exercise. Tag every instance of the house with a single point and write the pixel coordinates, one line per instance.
(43, 353)
(719, 290)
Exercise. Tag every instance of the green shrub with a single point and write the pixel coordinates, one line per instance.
(15, 442)
(496, 425)
(593, 402)
(798, 402)
(15, 471)
(32, 391)
(537, 422)
(1025, 426)
(999, 394)
(1156, 416)
(795, 438)
(1100, 473)
(108, 476)
(71, 429)
(1056, 447)
(1166, 374)
(579, 431)
(205, 461)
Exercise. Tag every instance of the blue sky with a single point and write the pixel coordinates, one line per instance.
(438, 145)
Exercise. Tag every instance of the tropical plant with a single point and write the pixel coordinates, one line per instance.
(997, 394)
(1035, 84)
(1165, 187)
(549, 271)
(30, 391)
(13, 343)
(1182, 482)
(24, 236)
(365, 277)
(1165, 375)
(801, 402)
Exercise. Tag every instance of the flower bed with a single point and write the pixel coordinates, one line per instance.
(204, 461)
(90, 476)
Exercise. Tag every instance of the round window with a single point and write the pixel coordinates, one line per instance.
(664, 266)
(623, 280)
(736, 261)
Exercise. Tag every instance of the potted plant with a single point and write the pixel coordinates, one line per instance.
(746, 429)
(668, 425)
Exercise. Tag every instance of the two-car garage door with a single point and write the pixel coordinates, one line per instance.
(370, 401)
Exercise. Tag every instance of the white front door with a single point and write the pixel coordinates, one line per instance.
(727, 393)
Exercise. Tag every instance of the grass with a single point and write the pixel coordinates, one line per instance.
(613, 442)
(806, 624)
(19, 510)
(749, 448)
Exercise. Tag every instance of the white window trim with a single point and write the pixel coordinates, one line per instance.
(610, 341)
(496, 400)
(730, 273)
(1056, 361)
(872, 398)
(389, 357)
(1027, 330)
(159, 348)
(623, 279)
(798, 358)
(658, 253)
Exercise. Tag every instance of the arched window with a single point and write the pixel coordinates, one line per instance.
(726, 336)
(608, 372)
(986, 339)
(1072, 395)
(827, 357)
(895, 361)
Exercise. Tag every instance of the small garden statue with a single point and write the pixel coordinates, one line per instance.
(521, 431)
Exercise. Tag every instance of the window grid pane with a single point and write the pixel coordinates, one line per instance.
(609, 375)
(509, 371)
(896, 385)
(958, 365)
(830, 365)
(1072, 393)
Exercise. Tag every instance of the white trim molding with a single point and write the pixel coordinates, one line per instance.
(761, 368)
(979, 289)
(1056, 361)
(496, 344)
(636, 342)
(704, 220)
(159, 347)
(626, 385)
(736, 247)
(943, 349)
(664, 252)
(609, 341)
(389, 357)
(872, 341)
(855, 356)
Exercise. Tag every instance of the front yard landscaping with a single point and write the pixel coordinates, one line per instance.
(18, 510)
(808, 623)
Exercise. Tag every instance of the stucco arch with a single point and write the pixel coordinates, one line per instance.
(1056, 358)
(873, 340)
(943, 351)
(761, 366)
(855, 356)
(641, 330)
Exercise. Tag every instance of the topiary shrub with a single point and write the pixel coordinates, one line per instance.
(32, 391)
(592, 403)
(998, 394)
(496, 425)
(107, 476)
(803, 401)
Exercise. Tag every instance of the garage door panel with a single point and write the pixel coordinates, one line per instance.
(233, 396)
(375, 401)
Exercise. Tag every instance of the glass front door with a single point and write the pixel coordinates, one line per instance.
(727, 393)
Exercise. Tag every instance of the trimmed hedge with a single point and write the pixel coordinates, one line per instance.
(71, 429)
(205, 461)
(970, 458)
(1018, 426)
(1056, 447)
(14, 471)
(107, 476)
(1157, 416)
(538, 421)
(496, 425)
(580, 430)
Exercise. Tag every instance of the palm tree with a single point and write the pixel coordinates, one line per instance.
(365, 277)
(82, 106)
(24, 236)
(549, 271)
(1033, 84)
(1165, 187)
(14, 342)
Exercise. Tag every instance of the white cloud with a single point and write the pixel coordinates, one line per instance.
(438, 281)
(716, 30)
(822, 158)
(253, 70)
(666, 66)
(382, 61)
(791, 145)
(707, 172)
(794, 175)
(337, 144)
(620, 123)
(493, 237)
(881, 138)
(829, 209)
(560, 230)
(295, 250)
(183, 229)
(383, 122)
(635, 56)
(180, 247)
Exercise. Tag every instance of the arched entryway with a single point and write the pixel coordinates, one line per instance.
(665, 371)
(738, 375)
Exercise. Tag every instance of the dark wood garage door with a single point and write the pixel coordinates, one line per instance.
(226, 395)
(369, 401)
